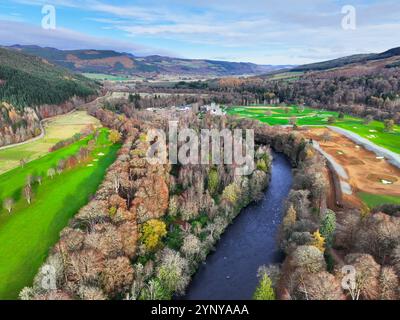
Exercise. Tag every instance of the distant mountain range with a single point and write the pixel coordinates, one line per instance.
(392, 57)
(121, 63)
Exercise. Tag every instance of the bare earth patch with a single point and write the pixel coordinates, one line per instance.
(366, 172)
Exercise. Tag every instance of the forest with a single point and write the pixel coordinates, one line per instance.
(31, 89)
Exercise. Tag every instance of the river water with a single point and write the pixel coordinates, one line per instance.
(230, 273)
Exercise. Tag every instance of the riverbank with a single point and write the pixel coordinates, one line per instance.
(231, 271)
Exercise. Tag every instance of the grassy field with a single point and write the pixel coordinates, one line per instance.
(29, 231)
(101, 76)
(307, 116)
(374, 200)
(57, 129)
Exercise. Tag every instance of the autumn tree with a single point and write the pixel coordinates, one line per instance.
(318, 241)
(264, 290)
(115, 136)
(290, 218)
(152, 232)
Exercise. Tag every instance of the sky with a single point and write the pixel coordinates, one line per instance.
(260, 31)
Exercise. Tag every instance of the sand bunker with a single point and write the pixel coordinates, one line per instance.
(366, 173)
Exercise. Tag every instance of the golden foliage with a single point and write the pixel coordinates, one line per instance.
(152, 232)
(318, 241)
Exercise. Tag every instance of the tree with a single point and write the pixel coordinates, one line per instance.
(213, 182)
(331, 120)
(173, 271)
(22, 162)
(318, 241)
(328, 226)
(29, 180)
(28, 193)
(191, 246)
(8, 204)
(290, 218)
(115, 136)
(51, 172)
(264, 290)
(368, 119)
(389, 125)
(152, 232)
(326, 136)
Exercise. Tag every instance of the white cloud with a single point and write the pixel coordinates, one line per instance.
(12, 32)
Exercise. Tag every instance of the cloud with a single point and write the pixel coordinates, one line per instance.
(12, 32)
(263, 31)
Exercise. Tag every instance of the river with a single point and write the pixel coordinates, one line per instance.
(230, 273)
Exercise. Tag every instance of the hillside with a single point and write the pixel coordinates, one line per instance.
(32, 89)
(112, 62)
(354, 59)
(26, 80)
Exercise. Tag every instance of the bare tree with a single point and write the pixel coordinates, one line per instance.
(29, 180)
(8, 204)
(51, 172)
(22, 162)
(28, 193)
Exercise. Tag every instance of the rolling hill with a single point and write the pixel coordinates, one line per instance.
(120, 63)
(31, 89)
(354, 59)
(26, 80)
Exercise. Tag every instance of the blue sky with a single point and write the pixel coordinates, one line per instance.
(260, 31)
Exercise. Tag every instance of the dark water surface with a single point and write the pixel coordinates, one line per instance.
(231, 271)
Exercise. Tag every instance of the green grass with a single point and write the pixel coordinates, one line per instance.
(373, 131)
(57, 129)
(374, 200)
(102, 76)
(27, 234)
